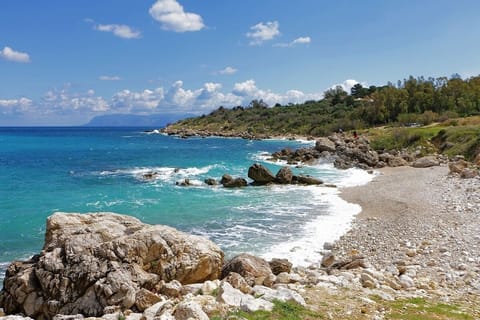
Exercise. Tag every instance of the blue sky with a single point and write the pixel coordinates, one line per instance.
(63, 62)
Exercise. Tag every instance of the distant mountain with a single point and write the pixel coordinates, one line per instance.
(132, 120)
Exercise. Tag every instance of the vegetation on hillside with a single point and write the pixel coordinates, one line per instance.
(413, 100)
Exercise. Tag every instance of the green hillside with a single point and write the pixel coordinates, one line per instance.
(413, 100)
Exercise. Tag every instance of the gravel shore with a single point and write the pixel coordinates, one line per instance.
(423, 223)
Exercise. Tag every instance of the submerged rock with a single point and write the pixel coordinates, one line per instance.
(92, 261)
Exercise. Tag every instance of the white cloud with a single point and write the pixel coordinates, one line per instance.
(120, 30)
(262, 32)
(173, 17)
(109, 78)
(347, 85)
(16, 56)
(65, 102)
(301, 40)
(10, 106)
(228, 71)
(248, 91)
(145, 101)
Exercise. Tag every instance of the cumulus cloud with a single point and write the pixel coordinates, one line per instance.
(228, 71)
(141, 102)
(262, 32)
(10, 106)
(248, 91)
(65, 102)
(347, 85)
(173, 17)
(16, 56)
(120, 30)
(301, 40)
(109, 78)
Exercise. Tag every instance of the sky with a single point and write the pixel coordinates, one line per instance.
(64, 62)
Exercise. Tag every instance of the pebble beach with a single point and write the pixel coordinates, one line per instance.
(421, 227)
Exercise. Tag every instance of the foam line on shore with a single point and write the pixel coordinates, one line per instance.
(306, 249)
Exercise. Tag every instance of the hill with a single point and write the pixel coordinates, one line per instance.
(413, 100)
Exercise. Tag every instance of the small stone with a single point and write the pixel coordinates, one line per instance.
(406, 281)
(328, 259)
(328, 246)
(367, 280)
(411, 253)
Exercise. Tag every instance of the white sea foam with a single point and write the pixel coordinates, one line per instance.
(160, 173)
(306, 249)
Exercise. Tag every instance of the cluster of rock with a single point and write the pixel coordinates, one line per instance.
(107, 265)
(347, 152)
(260, 176)
(189, 133)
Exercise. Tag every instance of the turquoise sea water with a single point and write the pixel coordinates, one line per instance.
(44, 170)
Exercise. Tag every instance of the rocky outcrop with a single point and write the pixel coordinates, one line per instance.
(280, 265)
(92, 261)
(284, 175)
(426, 162)
(260, 174)
(325, 144)
(306, 180)
(255, 270)
(229, 182)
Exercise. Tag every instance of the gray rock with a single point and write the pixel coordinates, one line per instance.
(249, 267)
(281, 294)
(235, 183)
(406, 281)
(280, 265)
(425, 162)
(238, 282)
(325, 144)
(252, 305)
(306, 180)
(260, 174)
(284, 175)
(68, 317)
(211, 182)
(92, 261)
(397, 162)
(229, 295)
(189, 310)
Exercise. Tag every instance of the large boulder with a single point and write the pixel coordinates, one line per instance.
(260, 175)
(306, 180)
(457, 166)
(92, 261)
(280, 265)
(284, 175)
(236, 183)
(253, 269)
(425, 162)
(325, 144)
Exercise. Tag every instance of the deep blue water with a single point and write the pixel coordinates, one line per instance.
(44, 170)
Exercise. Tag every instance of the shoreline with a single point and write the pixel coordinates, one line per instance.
(423, 219)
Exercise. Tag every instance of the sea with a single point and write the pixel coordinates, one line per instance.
(79, 169)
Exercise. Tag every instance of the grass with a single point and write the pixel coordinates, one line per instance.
(418, 308)
(281, 311)
(404, 138)
(455, 137)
